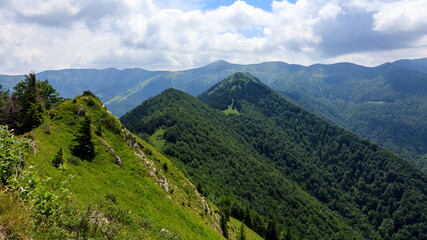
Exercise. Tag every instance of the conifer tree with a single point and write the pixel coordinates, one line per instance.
(33, 98)
(59, 158)
(272, 231)
(4, 94)
(85, 148)
(247, 219)
(242, 234)
(223, 224)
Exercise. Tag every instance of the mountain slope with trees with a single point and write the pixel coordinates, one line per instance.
(79, 174)
(230, 171)
(375, 192)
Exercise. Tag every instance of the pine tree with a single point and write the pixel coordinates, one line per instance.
(223, 224)
(272, 231)
(4, 94)
(34, 97)
(288, 235)
(59, 158)
(242, 234)
(85, 148)
(247, 219)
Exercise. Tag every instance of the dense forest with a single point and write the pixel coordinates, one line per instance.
(249, 146)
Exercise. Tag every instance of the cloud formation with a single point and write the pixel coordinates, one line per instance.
(177, 34)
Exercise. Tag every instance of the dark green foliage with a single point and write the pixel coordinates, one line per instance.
(242, 234)
(227, 165)
(89, 94)
(165, 167)
(4, 94)
(49, 94)
(271, 231)
(253, 155)
(59, 158)
(200, 188)
(223, 224)
(12, 155)
(84, 148)
(111, 197)
(10, 113)
(74, 160)
(24, 110)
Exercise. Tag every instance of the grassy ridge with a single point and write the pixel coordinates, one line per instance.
(149, 188)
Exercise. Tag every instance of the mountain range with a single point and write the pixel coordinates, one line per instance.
(244, 142)
(240, 161)
(386, 104)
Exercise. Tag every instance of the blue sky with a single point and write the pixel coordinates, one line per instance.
(264, 4)
(180, 34)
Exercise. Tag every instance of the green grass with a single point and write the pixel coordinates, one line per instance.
(231, 109)
(234, 230)
(180, 210)
(157, 139)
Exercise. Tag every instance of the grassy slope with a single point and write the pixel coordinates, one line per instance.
(180, 209)
(234, 230)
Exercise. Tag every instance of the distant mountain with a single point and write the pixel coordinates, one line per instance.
(250, 144)
(386, 104)
(419, 65)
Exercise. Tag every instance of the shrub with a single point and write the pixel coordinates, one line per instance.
(74, 160)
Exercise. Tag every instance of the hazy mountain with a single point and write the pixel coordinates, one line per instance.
(251, 144)
(419, 65)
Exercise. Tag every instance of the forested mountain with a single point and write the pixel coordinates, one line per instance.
(386, 104)
(316, 180)
(419, 65)
(79, 174)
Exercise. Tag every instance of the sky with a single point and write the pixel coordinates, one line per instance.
(38, 35)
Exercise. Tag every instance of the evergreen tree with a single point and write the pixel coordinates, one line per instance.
(10, 113)
(85, 148)
(242, 234)
(271, 231)
(4, 94)
(247, 219)
(59, 158)
(288, 235)
(223, 224)
(34, 97)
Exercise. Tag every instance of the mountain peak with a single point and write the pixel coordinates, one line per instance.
(238, 86)
(241, 77)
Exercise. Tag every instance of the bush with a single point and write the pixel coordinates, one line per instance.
(74, 160)
(165, 167)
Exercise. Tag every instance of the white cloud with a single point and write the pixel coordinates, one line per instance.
(174, 34)
(401, 16)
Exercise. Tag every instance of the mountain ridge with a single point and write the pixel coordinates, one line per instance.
(300, 146)
(373, 102)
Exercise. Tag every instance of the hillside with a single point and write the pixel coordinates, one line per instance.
(419, 65)
(385, 104)
(227, 166)
(128, 188)
(262, 145)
